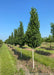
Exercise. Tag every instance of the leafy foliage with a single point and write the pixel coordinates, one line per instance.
(49, 39)
(33, 37)
(12, 39)
(15, 37)
(52, 30)
(21, 35)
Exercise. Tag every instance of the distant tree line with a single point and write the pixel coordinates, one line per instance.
(1, 42)
(47, 39)
(50, 38)
(31, 37)
(17, 37)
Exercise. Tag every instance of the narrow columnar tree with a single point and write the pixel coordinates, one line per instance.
(52, 30)
(18, 35)
(33, 33)
(15, 37)
(21, 35)
(33, 36)
(9, 40)
(12, 38)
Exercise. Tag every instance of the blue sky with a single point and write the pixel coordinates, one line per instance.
(13, 11)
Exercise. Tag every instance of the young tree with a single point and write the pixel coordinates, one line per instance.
(12, 39)
(52, 30)
(15, 37)
(21, 35)
(33, 36)
(49, 39)
(9, 40)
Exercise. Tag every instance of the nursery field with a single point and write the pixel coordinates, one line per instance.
(43, 54)
(11, 62)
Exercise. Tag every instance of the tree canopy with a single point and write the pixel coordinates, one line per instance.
(21, 35)
(52, 30)
(33, 36)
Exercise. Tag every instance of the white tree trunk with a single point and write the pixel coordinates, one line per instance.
(33, 57)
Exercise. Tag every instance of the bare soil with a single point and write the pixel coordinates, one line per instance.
(52, 56)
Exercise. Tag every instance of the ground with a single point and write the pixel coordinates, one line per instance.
(17, 65)
(43, 63)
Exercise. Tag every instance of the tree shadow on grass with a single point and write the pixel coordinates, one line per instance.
(24, 57)
(47, 48)
(43, 52)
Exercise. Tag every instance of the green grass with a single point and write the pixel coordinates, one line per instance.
(7, 62)
(47, 61)
(21, 72)
(45, 46)
(0, 65)
(50, 51)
